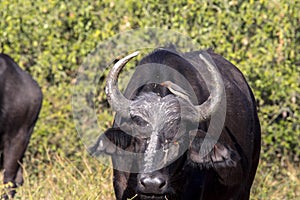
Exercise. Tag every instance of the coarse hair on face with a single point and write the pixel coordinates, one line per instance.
(160, 114)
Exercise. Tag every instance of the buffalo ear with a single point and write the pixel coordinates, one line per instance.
(217, 155)
(110, 141)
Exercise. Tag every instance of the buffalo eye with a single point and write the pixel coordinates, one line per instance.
(166, 143)
(139, 121)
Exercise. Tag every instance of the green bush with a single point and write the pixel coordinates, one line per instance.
(50, 39)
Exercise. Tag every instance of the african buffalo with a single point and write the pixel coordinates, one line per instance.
(20, 104)
(150, 124)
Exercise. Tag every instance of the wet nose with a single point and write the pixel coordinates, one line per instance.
(152, 184)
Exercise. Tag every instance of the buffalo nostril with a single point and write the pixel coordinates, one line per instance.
(142, 181)
(150, 184)
(162, 184)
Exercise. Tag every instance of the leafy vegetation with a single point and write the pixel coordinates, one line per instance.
(50, 39)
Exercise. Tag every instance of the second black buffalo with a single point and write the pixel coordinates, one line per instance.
(20, 104)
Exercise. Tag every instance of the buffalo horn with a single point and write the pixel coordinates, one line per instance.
(201, 112)
(115, 98)
(210, 106)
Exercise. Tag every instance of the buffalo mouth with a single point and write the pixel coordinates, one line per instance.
(153, 196)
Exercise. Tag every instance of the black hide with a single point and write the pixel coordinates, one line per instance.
(20, 104)
(227, 172)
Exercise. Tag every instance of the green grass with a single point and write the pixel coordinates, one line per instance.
(62, 178)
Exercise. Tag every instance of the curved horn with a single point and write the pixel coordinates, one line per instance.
(210, 106)
(115, 98)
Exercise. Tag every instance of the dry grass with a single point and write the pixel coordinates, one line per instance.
(63, 179)
(274, 182)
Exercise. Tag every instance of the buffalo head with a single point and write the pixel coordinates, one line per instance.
(154, 138)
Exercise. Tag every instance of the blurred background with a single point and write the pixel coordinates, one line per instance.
(50, 39)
